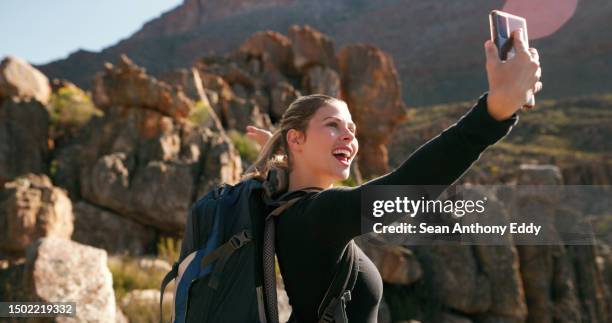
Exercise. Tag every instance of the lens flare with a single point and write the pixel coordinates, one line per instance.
(544, 17)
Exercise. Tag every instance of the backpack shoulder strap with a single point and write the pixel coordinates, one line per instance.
(333, 305)
(288, 199)
(269, 248)
(167, 279)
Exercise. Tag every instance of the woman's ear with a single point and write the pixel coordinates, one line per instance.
(295, 139)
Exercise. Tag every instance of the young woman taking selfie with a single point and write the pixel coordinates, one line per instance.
(315, 143)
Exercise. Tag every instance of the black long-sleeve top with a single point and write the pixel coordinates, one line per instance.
(313, 234)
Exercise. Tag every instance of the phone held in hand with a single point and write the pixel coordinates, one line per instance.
(502, 24)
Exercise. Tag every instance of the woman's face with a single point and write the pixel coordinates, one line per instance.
(330, 144)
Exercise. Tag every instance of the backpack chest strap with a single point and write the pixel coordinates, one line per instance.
(222, 254)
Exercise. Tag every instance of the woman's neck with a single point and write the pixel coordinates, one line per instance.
(299, 180)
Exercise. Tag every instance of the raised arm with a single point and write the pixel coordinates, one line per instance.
(440, 161)
(443, 159)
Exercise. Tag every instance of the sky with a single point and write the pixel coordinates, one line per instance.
(41, 31)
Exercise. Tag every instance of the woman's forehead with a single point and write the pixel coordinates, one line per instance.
(337, 110)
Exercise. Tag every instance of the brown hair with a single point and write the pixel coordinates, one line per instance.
(275, 153)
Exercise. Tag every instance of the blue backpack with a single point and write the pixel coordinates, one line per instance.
(226, 270)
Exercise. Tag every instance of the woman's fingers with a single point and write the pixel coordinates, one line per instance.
(261, 136)
(491, 53)
(537, 87)
(534, 54)
(255, 130)
(519, 42)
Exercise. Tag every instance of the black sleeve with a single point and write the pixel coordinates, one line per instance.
(440, 161)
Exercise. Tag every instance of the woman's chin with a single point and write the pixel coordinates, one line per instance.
(344, 174)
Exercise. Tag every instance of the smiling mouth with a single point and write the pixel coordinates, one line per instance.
(343, 156)
(343, 160)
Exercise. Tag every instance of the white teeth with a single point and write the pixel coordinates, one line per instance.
(343, 151)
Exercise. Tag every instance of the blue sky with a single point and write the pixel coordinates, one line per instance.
(41, 31)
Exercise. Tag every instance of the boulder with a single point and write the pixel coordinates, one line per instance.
(129, 85)
(322, 80)
(112, 232)
(595, 298)
(31, 208)
(232, 70)
(269, 47)
(142, 164)
(497, 257)
(501, 266)
(310, 48)
(453, 277)
(234, 111)
(62, 270)
(371, 88)
(182, 78)
(263, 101)
(546, 270)
(281, 95)
(20, 80)
(220, 164)
(24, 138)
(243, 112)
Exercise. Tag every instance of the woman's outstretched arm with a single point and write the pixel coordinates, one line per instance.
(440, 162)
(443, 159)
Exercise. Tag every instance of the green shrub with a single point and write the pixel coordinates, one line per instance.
(200, 114)
(70, 108)
(246, 147)
(128, 275)
(144, 312)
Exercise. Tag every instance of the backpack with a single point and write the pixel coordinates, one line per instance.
(226, 270)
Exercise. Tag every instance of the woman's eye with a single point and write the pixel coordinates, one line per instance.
(333, 124)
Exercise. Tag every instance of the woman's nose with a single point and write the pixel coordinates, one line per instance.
(348, 135)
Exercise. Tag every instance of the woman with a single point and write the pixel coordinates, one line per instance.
(316, 144)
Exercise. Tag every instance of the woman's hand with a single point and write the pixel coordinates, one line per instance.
(511, 82)
(261, 136)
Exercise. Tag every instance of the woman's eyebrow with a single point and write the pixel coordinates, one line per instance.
(350, 123)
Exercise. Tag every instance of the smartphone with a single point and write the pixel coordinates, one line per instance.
(502, 24)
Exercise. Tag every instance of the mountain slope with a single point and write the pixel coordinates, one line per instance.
(436, 45)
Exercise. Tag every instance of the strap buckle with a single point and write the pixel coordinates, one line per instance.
(240, 239)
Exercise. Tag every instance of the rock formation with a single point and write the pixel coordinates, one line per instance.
(143, 159)
(370, 87)
(112, 232)
(61, 270)
(18, 79)
(23, 124)
(31, 208)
